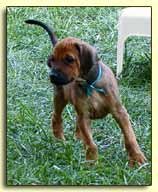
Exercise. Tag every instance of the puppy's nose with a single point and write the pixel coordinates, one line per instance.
(58, 77)
(53, 74)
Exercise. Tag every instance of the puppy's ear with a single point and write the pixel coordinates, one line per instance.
(88, 57)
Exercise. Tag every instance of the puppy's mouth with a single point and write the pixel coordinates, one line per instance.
(58, 78)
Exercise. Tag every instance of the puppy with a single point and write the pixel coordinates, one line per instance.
(80, 78)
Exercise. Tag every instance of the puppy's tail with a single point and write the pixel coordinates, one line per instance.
(50, 32)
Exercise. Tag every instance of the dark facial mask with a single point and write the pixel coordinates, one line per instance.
(58, 78)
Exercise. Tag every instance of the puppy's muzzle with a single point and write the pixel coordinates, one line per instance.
(58, 78)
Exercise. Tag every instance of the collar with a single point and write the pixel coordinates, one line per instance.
(91, 85)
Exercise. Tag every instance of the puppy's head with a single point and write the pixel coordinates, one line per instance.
(70, 59)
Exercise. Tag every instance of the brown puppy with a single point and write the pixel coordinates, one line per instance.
(81, 79)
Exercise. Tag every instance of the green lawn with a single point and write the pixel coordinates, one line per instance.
(34, 157)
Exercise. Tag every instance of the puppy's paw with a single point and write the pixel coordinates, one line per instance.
(59, 136)
(137, 158)
(92, 154)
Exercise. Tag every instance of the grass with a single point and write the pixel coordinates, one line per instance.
(34, 157)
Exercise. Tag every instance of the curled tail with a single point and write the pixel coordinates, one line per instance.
(50, 32)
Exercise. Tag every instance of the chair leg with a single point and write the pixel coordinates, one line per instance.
(120, 53)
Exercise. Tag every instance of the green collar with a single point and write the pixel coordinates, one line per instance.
(91, 86)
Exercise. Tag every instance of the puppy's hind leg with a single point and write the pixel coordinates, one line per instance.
(121, 116)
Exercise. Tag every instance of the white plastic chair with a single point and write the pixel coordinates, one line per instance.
(132, 21)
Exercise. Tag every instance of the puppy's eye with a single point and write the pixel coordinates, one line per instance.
(50, 60)
(69, 59)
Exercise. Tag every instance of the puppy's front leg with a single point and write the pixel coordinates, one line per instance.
(83, 123)
(135, 154)
(59, 104)
(78, 132)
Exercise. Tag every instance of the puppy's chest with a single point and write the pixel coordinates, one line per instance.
(95, 104)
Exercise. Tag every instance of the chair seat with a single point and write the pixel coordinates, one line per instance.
(135, 21)
(144, 12)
